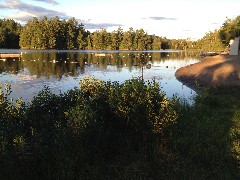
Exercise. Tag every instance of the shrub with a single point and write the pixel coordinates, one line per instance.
(115, 121)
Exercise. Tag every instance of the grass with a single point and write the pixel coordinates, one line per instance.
(206, 137)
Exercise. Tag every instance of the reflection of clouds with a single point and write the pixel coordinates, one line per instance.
(25, 77)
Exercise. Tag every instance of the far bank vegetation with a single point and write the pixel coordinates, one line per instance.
(54, 33)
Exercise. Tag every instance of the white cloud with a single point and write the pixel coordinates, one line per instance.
(22, 16)
(48, 1)
(23, 9)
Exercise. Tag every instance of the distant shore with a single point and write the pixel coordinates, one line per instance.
(211, 71)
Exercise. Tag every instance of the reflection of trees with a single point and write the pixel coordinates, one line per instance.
(10, 65)
(58, 64)
(50, 64)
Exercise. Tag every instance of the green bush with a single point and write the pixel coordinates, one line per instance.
(113, 121)
(108, 130)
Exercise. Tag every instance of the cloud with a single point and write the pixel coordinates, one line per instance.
(48, 1)
(26, 11)
(22, 16)
(88, 25)
(159, 18)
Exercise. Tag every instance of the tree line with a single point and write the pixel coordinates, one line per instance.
(9, 33)
(53, 33)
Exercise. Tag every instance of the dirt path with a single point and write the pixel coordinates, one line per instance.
(212, 70)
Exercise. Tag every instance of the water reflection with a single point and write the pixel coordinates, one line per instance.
(62, 70)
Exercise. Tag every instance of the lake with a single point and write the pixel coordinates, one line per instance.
(62, 70)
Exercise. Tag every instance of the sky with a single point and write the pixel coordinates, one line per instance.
(178, 19)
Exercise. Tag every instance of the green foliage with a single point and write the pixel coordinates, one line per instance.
(53, 33)
(119, 119)
(219, 39)
(230, 29)
(156, 43)
(82, 37)
(56, 34)
(9, 33)
(108, 130)
(12, 141)
(211, 42)
(206, 135)
(68, 135)
(10, 112)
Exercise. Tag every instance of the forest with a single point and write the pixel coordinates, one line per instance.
(53, 33)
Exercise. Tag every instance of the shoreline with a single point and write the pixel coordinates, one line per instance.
(219, 70)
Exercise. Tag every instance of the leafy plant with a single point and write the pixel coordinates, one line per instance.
(108, 130)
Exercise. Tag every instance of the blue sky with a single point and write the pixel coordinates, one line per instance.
(169, 18)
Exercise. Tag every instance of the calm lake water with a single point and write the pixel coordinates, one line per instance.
(62, 70)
